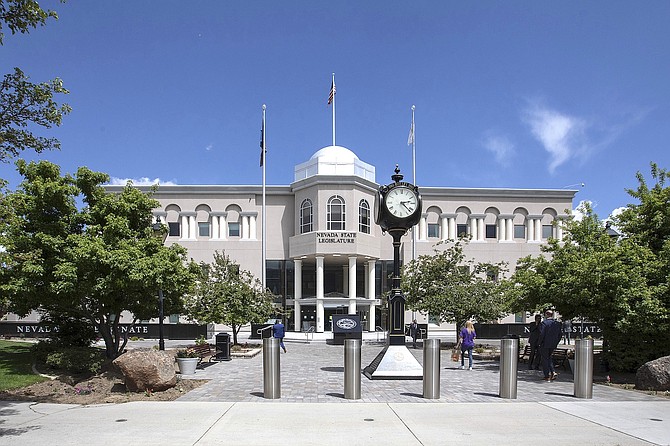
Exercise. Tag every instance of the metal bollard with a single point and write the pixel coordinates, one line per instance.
(431, 368)
(509, 358)
(352, 369)
(583, 368)
(271, 375)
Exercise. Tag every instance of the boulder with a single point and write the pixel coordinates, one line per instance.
(147, 370)
(654, 375)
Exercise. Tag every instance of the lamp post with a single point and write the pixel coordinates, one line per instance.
(161, 234)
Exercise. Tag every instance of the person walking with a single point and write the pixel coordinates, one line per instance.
(413, 332)
(533, 341)
(567, 329)
(550, 336)
(278, 332)
(466, 339)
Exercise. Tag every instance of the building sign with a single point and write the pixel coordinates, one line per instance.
(497, 331)
(335, 237)
(148, 331)
(347, 323)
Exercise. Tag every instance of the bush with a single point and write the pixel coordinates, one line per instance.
(69, 331)
(72, 359)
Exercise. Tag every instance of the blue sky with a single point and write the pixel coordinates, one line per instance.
(521, 94)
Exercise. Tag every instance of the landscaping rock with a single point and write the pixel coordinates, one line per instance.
(654, 375)
(147, 370)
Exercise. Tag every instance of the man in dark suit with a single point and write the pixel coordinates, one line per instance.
(550, 336)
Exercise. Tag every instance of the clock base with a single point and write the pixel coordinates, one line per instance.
(394, 362)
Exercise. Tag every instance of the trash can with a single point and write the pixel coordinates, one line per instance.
(223, 347)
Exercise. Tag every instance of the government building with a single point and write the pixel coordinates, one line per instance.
(324, 255)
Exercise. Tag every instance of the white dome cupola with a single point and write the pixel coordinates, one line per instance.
(334, 160)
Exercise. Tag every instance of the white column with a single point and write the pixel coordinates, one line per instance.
(423, 234)
(192, 227)
(297, 276)
(320, 323)
(530, 229)
(252, 227)
(223, 226)
(510, 229)
(473, 228)
(371, 294)
(502, 229)
(352, 285)
(245, 227)
(452, 228)
(538, 229)
(184, 227)
(559, 229)
(445, 228)
(481, 230)
(215, 227)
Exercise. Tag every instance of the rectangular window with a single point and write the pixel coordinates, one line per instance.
(461, 230)
(203, 229)
(233, 229)
(491, 231)
(433, 230)
(519, 231)
(175, 229)
(547, 231)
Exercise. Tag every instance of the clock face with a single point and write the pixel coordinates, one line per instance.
(401, 202)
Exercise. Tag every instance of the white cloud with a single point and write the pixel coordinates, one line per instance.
(144, 181)
(209, 147)
(501, 147)
(563, 136)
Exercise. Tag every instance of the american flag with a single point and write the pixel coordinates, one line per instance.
(331, 97)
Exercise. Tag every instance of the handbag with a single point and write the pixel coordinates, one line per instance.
(455, 355)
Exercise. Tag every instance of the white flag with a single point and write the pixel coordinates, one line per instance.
(410, 138)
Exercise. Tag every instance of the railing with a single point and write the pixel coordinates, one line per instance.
(379, 330)
(309, 334)
(260, 330)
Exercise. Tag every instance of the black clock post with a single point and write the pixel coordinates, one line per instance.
(397, 209)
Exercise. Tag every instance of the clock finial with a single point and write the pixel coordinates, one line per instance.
(398, 176)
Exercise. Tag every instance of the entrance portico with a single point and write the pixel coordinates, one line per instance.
(337, 290)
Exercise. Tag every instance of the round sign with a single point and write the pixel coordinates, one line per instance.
(346, 324)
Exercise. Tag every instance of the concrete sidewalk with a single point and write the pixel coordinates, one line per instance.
(230, 409)
(207, 423)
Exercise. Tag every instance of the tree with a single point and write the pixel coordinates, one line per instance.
(611, 282)
(22, 103)
(448, 286)
(224, 294)
(21, 15)
(93, 263)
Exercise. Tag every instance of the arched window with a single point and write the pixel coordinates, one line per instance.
(335, 213)
(306, 216)
(364, 217)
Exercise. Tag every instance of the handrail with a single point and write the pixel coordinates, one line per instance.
(308, 332)
(379, 330)
(260, 330)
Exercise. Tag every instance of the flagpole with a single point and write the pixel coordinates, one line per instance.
(264, 230)
(413, 178)
(333, 88)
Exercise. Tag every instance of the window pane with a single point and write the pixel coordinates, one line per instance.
(547, 231)
(491, 231)
(433, 230)
(174, 229)
(461, 230)
(203, 229)
(364, 217)
(519, 231)
(306, 217)
(233, 229)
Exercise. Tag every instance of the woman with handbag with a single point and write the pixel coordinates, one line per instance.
(466, 339)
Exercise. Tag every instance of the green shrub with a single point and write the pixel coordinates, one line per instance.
(71, 359)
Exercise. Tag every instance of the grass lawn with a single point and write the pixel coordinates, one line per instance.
(16, 365)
